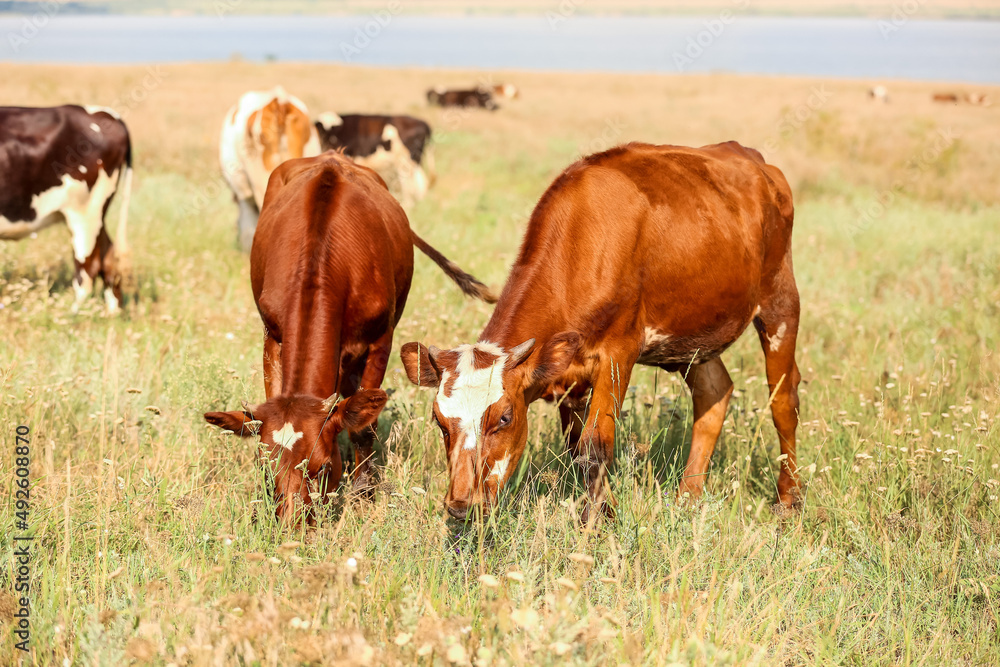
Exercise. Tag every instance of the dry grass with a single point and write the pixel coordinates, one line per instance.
(153, 542)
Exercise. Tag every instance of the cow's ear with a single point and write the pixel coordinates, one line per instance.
(362, 409)
(555, 357)
(419, 364)
(241, 423)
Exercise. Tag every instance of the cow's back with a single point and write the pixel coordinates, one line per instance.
(39, 147)
(330, 231)
(645, 234)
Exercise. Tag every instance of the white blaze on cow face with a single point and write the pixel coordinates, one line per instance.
(473, 391)
(84, 211)
(286, 436)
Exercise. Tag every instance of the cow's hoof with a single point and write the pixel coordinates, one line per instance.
(789, 501)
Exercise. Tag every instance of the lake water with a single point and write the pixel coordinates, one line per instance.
(830, 47)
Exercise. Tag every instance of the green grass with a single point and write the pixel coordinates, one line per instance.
(154, 538)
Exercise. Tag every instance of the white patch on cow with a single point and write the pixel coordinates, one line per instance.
(83, 285)
(83, 170)
(84, 212)
(329, 119)
(473, 391)
(653, 339)
(48, 207)
(95, 127)
(92, 109)
(110, 300)
(652, 345)
(778, 336)
(286, 436)
(757, 311)
(500, 468)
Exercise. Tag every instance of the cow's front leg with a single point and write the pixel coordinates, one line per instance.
(364, 439)
(596, 447)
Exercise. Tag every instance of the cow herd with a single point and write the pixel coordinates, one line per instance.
(642, 254)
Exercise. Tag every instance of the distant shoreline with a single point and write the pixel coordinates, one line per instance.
(774, 8)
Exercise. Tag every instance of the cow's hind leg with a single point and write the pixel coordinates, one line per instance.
(777, 326)
(711, 388)
(109, 270)
(246, 223)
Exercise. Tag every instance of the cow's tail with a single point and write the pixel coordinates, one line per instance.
(122, 254)
(468, 284)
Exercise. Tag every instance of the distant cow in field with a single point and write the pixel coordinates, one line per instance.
(945, 98)
(978, 99)
(879, 94)
(330, 269)
(397, 147)
(264, 129)
(507, 90)
(65, 164)
(475, 97)
(656, 255)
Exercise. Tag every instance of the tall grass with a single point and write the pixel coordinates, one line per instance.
(154, 538)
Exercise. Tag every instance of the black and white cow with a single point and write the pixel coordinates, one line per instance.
(397, 147)
(65, 164)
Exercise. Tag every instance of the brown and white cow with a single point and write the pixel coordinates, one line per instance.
(656, 255)
(507, 90)
(65, 164)
(263, 129)
(330, 269)
(396, 147)
(474, 97)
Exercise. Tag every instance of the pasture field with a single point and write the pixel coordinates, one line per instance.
(153, 538)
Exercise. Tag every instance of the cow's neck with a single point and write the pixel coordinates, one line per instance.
(311, 350)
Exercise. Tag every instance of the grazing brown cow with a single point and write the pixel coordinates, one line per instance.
(657, 255)
(330, 269)
(945, 98)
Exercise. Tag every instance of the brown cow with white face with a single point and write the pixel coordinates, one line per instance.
(656, 255)
(330, 269)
